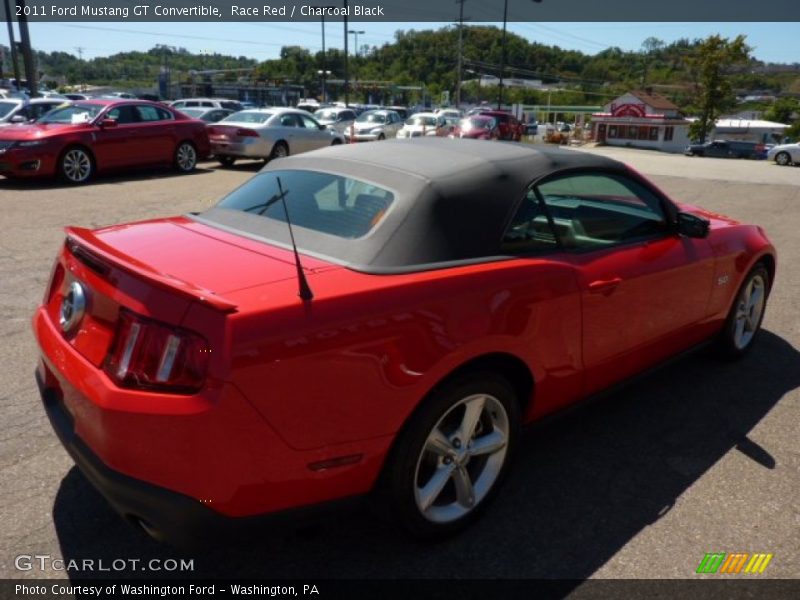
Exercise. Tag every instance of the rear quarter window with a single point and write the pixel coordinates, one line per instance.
(323, 202)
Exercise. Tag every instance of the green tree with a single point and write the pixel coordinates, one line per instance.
(712, 61)
(784, 110)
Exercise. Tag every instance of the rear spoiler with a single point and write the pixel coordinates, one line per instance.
(88, 241)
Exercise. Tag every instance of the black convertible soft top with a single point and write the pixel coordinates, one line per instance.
(453, 199)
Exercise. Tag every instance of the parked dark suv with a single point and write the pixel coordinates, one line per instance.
(727, 149)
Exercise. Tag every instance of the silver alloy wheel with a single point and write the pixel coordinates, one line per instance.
(749, 308)
(186, 157)
(782, 159)
(76, 165)
(462, 458)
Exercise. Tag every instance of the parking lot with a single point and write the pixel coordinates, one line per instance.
(699, 457)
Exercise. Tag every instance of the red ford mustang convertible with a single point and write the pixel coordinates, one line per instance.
(374, 320)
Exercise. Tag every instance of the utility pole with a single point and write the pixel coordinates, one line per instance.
(503, 59)
(353, 31)
(12, 44)
(460, 49)
(27, 53)
(346, 74)
(324, 59)
(79, 50)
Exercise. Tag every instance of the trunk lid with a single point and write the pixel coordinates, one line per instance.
(157, 269)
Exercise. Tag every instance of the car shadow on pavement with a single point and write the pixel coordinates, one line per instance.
(245, 166)
(52, 183)
(581, 489)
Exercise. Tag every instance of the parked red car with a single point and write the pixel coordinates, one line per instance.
(444, 292)
(478, 127)
(510, 127)
(80, 139)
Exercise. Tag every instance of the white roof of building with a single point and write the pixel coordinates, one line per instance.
(749, 124)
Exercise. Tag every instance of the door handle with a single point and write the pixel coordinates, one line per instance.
(604, 286)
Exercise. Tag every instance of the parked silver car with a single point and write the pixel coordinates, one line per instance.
(375, 125)
(209, 115)
(266, 133)
(785, 154)
(19, 110)
(336, 118)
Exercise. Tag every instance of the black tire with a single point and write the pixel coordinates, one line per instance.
(76, 165)
(185, 157)
(226, 161)
(279, 150)
(783, 159)
(411, 463)
(381, 137)
(734, 342)
(336, 142)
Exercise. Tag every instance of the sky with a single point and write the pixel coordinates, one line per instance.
(772, 42)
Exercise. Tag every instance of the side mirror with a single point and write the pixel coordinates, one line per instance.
(108, 123)
(18, 119)
(692, 226)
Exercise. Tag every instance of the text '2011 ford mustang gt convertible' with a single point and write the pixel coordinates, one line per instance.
(374, 319)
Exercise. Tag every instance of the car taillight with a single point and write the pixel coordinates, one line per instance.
(246, 133)
(150, 355)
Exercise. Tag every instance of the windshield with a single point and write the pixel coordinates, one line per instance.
(7, 107)
(249, 116)
(331, 204)
(371, 117)
(420, 120)
(75, 113)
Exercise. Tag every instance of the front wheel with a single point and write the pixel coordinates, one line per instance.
(381, 137)
(76, 165)
(451, 458)
(746, 314)
(185, 157)
(226, 161)
(783, 159)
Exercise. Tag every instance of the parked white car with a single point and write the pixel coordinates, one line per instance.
(336, 118)
(452, 113)
(19, 110)
(375, 125)
(785, 154)
(427, 124)
(266, 133)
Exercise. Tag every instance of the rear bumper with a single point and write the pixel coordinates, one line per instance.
(166, 515)
(191, 463)
(257, 148)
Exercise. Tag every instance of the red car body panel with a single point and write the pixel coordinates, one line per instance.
(113, 148)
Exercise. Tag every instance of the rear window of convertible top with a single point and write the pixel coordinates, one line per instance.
(332, 204)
